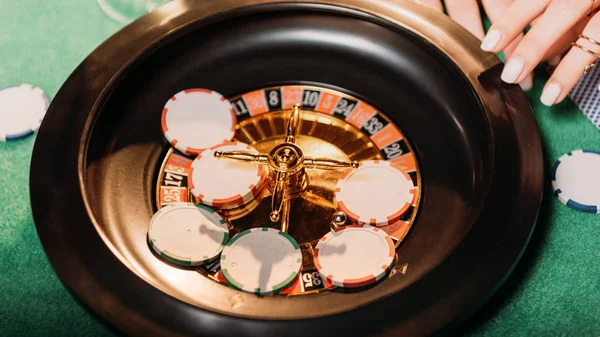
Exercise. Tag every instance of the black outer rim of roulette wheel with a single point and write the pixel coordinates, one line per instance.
(461, 278)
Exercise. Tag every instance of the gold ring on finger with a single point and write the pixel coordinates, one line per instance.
(588, 67)
(589, 39)
(575, 44)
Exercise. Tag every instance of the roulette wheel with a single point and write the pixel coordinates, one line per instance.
(320, 91)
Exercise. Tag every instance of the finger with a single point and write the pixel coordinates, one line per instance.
(559, 18)
(493, 9)
(508, 51)
(466, 13)
(571, 68)
(435, 4)
(563, 44)
(527, 83)
(556, 52)
(512, 22)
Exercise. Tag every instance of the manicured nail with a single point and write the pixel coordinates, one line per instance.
(527, 83)
(512, 70)
(550, 94)
(490, 40)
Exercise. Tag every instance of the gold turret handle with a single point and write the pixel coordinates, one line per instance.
(243, 156)
(328, 164)
(280, 204)
(293, 125)
(278, 196)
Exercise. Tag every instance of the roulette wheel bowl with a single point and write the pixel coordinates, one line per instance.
(99, 152)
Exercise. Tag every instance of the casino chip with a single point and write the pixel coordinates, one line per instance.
(239, 212)
(376, 193)
(187, 234)
(576, 180)
(354, 256)
(196, 119)
(22, 109)
(224, 183)
(261, 261)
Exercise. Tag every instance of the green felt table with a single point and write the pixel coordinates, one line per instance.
(554, 290)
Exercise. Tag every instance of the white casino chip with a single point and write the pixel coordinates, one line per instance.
(187, 234)
(377, 193)
(354, 256)
(197, 119)
(225, 183)
(261, 261)
(576, 180)
(22, 109)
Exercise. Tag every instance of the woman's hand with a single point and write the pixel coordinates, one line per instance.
(466, 13)
(557, 24)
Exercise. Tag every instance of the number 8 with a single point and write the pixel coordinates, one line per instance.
(273, 98)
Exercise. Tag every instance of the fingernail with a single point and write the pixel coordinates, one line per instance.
(550, 94)
(527, 83)
(490, 40)
(512, 70)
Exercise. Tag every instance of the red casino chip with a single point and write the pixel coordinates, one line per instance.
(226, 184)
(196, 119)
(377, 193)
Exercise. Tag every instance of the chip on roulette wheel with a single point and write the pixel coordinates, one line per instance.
(196, 119)
(377, 193)
(187, 234)
(225, 184)
(273, 256)
(317, 88)
(354, 256)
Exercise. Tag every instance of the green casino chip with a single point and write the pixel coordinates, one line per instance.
(263, 261)
(187, 234)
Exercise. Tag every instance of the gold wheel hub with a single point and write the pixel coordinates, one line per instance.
(286, 157)
(287, 178)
